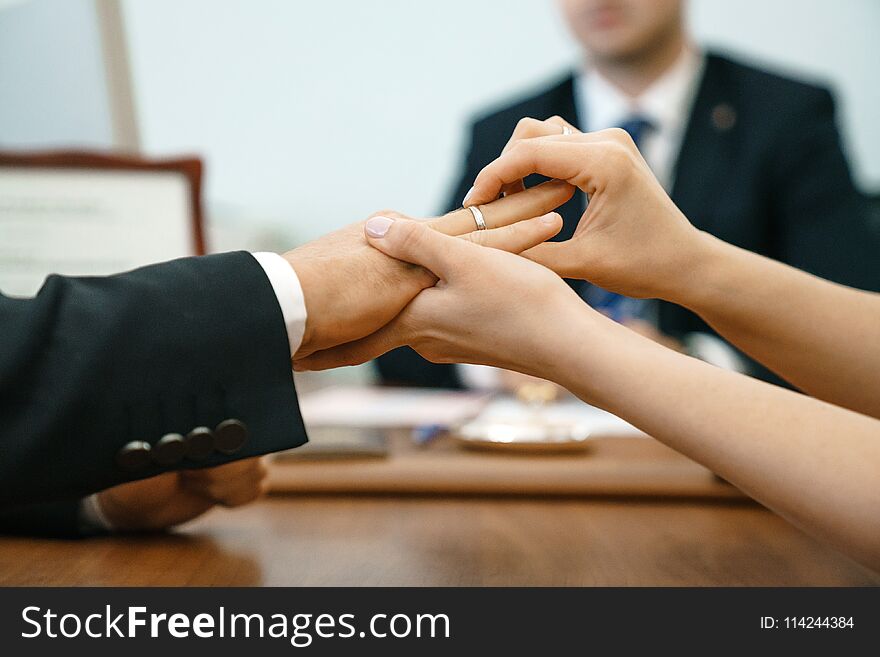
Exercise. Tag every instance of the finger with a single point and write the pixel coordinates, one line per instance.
(526, 128)
(224, 490)
(576, 162)
(561, 124)
(357, 352)
(553, 129)
(220, 483)
(394, 214)
(505, 211)
(413, 242)
(609, 135)
(515, 187)
(518, 237)
(216, 485)
(529, 128)
(227, 471)
(243, 495)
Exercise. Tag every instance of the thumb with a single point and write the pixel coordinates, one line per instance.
(413, 242)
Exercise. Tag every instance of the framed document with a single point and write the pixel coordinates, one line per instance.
(85, 214)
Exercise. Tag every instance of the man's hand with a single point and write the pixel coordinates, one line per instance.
(176, 497)
(352, 289)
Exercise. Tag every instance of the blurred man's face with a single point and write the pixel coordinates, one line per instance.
(622, 29)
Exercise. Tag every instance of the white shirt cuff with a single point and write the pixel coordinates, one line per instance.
(286, 285)
(92, 517)
(713, 350)
(479, 377)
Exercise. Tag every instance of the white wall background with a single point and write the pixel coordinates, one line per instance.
(311, 114)
(52, 85)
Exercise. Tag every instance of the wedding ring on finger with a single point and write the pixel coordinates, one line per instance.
(478, 217)
(566, 130)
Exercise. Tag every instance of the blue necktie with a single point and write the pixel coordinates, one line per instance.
(637, 127)
(618, 307)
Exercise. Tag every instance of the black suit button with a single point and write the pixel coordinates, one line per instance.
(199, 443)
(134, 456)
(230, 436)
(170, 450)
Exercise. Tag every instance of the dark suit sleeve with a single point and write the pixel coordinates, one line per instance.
(58, 519)
(822, 220)
(404, 366)
(90, 364)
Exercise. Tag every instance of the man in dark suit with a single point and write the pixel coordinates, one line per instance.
(173, 372)
(111, 380)
(752, 157)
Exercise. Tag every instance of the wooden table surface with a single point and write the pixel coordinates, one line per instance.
(431, 541)
(620, 466)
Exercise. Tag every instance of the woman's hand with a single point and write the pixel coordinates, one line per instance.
(632, 239)
(489, 307)
(343, 277)
(174, 498)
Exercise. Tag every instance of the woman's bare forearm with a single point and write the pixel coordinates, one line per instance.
(816, 464)
(822, 337)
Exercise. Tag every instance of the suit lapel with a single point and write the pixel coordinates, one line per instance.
(707, 150)
(557, 100)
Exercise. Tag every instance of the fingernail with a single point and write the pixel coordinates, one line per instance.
(378, 226)
(549, 218)
(467, 196)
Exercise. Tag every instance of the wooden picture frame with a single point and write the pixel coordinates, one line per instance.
(190, 167)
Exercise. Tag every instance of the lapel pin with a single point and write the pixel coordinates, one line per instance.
(723, 117)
